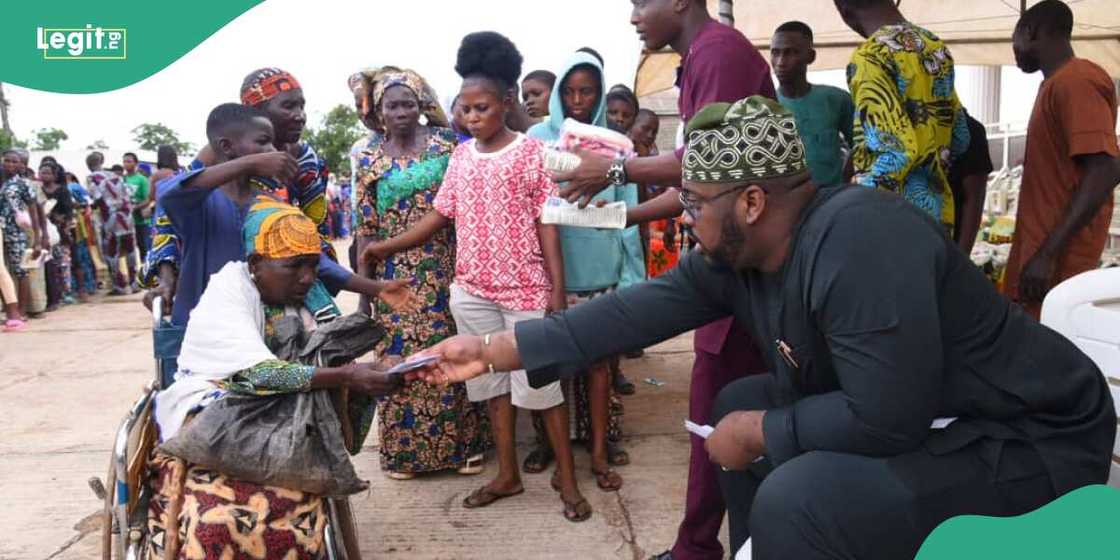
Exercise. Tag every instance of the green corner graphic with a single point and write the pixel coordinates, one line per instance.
(147, 37)
(1081, 524)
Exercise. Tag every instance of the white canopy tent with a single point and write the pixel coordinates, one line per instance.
(978, 32)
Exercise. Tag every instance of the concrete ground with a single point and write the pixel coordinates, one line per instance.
(67, 381)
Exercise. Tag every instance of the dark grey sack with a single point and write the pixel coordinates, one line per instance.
(292, 440)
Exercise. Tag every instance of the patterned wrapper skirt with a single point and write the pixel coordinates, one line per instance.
(221, 518)
(660, 258)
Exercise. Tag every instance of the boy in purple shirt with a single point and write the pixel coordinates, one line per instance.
(207, 207)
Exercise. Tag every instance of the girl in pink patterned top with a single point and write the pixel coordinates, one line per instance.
(508, 266)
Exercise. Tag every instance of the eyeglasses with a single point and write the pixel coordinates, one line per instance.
(692, 202)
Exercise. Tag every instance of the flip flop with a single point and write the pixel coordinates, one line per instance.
(472, 465)
(538, 460)
(608, 480)
(484, 496)
(572, 510)
(14, 325)
(616, 456)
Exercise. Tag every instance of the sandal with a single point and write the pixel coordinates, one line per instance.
(623, 386)
(538, 460)
(608, 480)
(616, 456)
(473, 465)
(400, 475)
(574, 512)
(484, 496)
(14, 325)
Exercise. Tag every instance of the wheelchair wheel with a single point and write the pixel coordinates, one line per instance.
(107, 552)
(340, 538)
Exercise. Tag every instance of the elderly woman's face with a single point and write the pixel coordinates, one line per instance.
(400, 108)
(284, 281)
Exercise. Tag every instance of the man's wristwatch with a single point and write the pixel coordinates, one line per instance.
(616, 174)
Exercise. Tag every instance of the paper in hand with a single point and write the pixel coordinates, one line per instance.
(702, 431)
(558, 211)
(412, 365)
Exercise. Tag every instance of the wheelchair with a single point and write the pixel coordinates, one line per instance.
(125, 493)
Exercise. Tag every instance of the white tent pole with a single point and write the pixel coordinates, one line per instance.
(727, 12)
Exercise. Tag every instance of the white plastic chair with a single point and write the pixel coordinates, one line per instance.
(744, 552)
(1086, 310)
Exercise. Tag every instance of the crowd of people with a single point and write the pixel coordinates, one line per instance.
(766, 230)
(64, 239)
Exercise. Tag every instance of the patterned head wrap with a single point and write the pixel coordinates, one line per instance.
(266, 83)
(356, 82)
(753, 138)
(276, 230)
(388, 77)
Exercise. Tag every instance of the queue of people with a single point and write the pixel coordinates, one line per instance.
(64, 239)
(816, 239)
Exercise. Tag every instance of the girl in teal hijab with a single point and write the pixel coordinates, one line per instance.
(595, 262)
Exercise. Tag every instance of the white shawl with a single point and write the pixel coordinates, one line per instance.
(225, 335)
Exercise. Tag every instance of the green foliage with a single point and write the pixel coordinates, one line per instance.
(151, 136)
(48, 139)
(9, 140)
(332, 139)
(98, 145)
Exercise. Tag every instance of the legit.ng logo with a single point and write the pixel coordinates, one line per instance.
(88, 43)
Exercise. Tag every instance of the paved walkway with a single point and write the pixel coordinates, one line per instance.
(66, 382)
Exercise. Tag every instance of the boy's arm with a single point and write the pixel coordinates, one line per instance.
(279, 165)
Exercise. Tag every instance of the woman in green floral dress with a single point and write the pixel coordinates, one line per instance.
(423, 428)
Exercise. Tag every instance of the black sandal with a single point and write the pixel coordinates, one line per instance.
(616, 456)
(538, 460)
(623, 386)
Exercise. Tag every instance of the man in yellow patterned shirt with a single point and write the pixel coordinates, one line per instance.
(909, 124)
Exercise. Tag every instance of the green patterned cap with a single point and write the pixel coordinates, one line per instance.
(753, 138)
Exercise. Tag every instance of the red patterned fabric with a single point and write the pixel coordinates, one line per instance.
(496, 200)
(222, 518)
(266, 84)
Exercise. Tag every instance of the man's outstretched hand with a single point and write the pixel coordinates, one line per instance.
(460, 358)
(585, 181)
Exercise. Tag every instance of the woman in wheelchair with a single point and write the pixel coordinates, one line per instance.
(231, 348)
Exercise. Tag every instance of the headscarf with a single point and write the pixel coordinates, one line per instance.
(753, 138)
(276, 230)
(387, 77)
(362, 83)
(266, 83)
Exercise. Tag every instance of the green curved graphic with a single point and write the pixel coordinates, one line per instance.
(136, 39)
(1081, 524)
